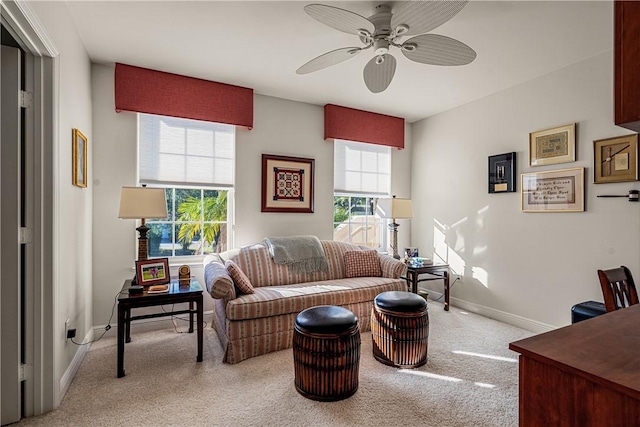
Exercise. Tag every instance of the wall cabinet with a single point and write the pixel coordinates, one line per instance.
(627, 64)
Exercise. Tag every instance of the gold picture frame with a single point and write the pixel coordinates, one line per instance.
(615, 159)
(552, 146)
(79, 174)
(553, 191)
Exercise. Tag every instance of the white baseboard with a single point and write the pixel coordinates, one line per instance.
(148, 325)
(492, 313)
(70, 373)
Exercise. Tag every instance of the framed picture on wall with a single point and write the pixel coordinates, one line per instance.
(552, 146)
(79, 144)
(287, 184)
(615, 159)
(553, 191)
(502, 173)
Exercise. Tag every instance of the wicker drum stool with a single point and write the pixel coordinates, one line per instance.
(400, 329)
(326, 353)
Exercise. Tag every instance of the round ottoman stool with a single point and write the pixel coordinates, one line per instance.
(326, 353)
(400, 329)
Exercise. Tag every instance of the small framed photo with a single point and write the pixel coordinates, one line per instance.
(553, 191)
(153, 272)
(502, 173)
(552, 146)
(411, 252)
(287, 184)
(615, 159)
(79, 174)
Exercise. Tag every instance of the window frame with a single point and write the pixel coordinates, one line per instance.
(196, 258)
(384, 241)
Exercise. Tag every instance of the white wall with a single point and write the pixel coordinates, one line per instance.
(73, 212)
(281, 127)
(514, 264)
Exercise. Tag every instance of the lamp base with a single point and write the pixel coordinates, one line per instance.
(394, 238)
(143, 243)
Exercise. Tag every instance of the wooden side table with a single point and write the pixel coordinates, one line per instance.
(178, 293)
(436, 272)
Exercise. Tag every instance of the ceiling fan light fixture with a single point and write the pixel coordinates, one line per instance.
(381, 46)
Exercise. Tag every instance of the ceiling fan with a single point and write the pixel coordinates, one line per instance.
(387, 28)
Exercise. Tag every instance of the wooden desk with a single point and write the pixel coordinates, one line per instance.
(583, 375)
(190, 293)
(436, 272)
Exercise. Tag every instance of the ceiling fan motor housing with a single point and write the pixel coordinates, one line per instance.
(382, 21)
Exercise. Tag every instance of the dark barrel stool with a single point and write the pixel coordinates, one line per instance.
(326, 353)
(400, 329)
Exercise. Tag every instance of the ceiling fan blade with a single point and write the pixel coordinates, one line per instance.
(328, 59)
(340, 19)
(434, 49)
(378, 76)
(423, 16)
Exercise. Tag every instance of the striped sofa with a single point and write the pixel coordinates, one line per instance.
(249, 325)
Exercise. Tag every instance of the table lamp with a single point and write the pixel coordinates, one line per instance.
(140, 203)
(395, 209)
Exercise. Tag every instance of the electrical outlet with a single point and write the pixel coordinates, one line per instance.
(66, 328)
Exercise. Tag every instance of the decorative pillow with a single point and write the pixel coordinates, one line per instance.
(239, 278)
(219, 283)
(362, 264)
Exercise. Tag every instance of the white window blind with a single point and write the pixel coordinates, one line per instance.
(174, 151)
(361, 168)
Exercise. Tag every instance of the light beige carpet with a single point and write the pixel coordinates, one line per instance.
(470, 380)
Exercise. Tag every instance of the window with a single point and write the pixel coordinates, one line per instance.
(362, 174)
(194, 162)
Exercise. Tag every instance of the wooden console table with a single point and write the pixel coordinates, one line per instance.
(586, 374)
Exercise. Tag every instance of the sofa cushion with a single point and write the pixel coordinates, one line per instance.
(275, 300)
(362, 264)
(239, 278)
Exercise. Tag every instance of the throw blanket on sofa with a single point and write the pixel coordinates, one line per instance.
(301, 254)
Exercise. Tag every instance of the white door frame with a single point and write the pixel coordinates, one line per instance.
(42, 394)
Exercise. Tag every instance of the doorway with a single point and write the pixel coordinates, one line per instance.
(12, 309)
(27, 272)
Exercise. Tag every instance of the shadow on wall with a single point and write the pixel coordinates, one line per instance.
(452, 245)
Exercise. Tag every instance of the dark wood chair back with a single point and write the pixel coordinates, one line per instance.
(618, 288)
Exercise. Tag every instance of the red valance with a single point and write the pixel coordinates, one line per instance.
(363, 126)
(156, 92)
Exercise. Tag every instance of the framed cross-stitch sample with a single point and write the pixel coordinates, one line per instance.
(552, 146)
(287, 184)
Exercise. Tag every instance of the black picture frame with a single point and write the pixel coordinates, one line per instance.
(502, 173)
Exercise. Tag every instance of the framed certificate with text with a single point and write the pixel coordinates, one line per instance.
(553, 191)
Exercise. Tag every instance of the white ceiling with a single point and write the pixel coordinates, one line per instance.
(260, 44)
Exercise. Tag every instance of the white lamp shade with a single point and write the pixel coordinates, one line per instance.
(142, 202)
(395, 208)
